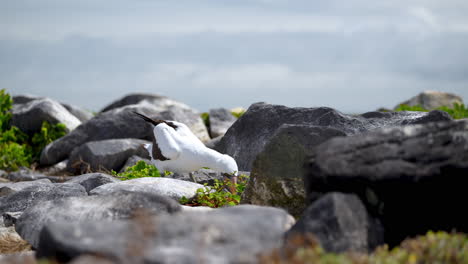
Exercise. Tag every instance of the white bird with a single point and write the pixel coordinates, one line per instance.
(175, 148)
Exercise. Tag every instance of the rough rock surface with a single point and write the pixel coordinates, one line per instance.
(21, 200)
(212, 143)
(341, 223)
(105, 155)
(29, 116)
(8, 188)
(277, 173)
(79, 113)
(433, 100)
(250, 133)
(120, 205)
(114, 124)
(173, 188)
(24, 174)
(203, 176)
(92, 180)
(407, 176)
(227, 235)
(160, 102)
(220, 121)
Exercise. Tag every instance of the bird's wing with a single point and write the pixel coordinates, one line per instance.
(167, 141)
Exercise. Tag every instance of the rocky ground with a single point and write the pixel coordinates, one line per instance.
(353, 181)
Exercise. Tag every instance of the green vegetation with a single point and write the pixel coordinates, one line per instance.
(238, 113)
(206, 119)
(439, 247)
(458, 111)
(17, 148)
(217, 195)
(139, 170)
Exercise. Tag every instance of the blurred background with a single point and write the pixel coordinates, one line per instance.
(354, 55)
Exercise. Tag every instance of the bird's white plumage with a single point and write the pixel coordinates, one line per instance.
(185, 152)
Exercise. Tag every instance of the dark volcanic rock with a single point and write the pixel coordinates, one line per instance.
(29, 116)
(250, 133)
(21, 200)
(105, 155)
(277, 173)
(8, 188)
(160, 102)
(24, 174)
(121, 205)
(220, 121)
(413, 178)
(92, 180)
(79, 113)
(115, 124)
(341, 223)
(227, 235)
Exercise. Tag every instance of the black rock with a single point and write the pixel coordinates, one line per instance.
(412, 178)
(21, 200)
(277, 172)
(8, 188)
(105, 155)
(29, 116)
(220, 121)
(120, 205)
(227, 235)
(341, 223)
(251, 132)
(160, 102)
(92, 180)
(24, 174)
(79, 113)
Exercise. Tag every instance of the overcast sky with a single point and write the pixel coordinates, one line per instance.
(353, 55)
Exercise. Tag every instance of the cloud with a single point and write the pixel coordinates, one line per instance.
(354, 55)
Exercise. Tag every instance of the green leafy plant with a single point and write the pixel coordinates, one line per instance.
(458, 111)
(206, 119)
(17, 148)
(49, 133)
(238, 114)
(217, 195)
(434, 247)
(139, 170)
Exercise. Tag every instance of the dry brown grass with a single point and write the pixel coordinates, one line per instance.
(11, 242)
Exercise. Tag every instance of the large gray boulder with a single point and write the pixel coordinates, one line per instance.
(8, 188)
(433, 99)
(114, 124)
(227, 235)
(121, 205)
(277, 172)
(406, 176)
(29, 116)
(81, 114)
(221, 120)
(92, 180)
(341, 223)
(251, 132)
(173, 188)
(157, 101)
(27, 197)
(105, 155)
